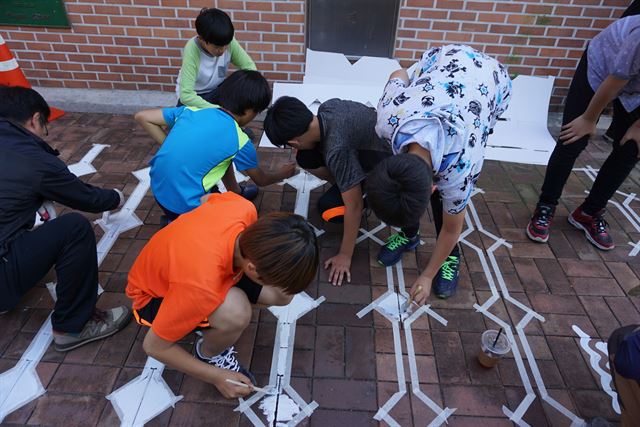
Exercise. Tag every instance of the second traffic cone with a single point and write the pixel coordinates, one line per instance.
(12, 75)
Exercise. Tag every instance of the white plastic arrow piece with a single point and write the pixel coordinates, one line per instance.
(21, 384)
(84, 166)
(144, 397)
(125, 219)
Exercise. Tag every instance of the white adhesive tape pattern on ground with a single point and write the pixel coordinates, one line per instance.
(389, 305)
(594, 361)
(282, 358)
(491, 270)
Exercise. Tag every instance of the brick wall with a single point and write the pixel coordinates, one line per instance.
(136, 44)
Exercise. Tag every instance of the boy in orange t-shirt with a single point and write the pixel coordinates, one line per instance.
(211, 264)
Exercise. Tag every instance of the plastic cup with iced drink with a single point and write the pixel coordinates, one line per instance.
(491, 354)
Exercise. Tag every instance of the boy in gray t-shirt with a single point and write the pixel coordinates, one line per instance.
(608, 71)
(338, 145)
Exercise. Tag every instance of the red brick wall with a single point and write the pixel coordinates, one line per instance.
(136, 44)
(533, 37)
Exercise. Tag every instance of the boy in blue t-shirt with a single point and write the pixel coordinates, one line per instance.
(202, 143)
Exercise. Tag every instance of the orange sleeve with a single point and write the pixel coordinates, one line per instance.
(182, 309)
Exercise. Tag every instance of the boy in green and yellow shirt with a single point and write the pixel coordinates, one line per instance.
(206, 58)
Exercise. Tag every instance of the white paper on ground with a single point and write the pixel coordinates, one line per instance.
(143, 398)
(287, 409)
(83, 167)
(594, 361)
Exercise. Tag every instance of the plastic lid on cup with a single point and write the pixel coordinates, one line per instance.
(502, 347)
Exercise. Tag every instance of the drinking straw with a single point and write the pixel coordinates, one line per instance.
(497, 337)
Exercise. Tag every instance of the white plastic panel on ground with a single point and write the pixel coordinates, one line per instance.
(522, 136)
(335, 68)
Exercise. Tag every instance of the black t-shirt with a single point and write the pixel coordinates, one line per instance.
(349, 143)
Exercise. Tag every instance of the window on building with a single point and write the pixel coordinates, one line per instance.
(352, 27)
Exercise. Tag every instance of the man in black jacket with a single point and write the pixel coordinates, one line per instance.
(31, 173)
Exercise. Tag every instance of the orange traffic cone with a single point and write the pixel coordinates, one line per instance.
(11, 75)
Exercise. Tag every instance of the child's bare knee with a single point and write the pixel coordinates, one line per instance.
(235, 316)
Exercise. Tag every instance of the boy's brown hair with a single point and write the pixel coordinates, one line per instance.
(284, 249)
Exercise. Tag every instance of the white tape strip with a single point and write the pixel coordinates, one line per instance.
(8, 65)
(594, 361)
(473, 221)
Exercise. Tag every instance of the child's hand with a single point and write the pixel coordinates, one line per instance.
(288, 170)
(340, 265)
(421, 290)
(229, 390)
(576, 129)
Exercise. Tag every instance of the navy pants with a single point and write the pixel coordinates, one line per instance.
(69, 244)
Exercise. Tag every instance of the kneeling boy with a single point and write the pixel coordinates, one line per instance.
(205, 269)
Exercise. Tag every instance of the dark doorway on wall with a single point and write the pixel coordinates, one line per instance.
(352, 27)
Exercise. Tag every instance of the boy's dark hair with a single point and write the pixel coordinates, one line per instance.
(286, 119)
(19, 104)
(243, 90)
(214, 26)
(398, 189)
(284, 249)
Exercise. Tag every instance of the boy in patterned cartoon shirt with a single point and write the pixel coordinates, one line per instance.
(438, 121)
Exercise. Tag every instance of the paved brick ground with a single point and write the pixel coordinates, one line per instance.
(344, 363)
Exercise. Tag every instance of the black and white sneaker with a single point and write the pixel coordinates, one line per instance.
(225, 360)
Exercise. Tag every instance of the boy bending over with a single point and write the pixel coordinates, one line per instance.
(339, 145)
(205, 269)
(202, 144)
(438, 121)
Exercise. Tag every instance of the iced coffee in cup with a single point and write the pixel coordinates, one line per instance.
(492, 349)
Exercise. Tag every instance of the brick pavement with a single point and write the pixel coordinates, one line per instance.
(344, 363)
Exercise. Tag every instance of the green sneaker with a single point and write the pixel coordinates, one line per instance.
(397, 244)
(446, 281)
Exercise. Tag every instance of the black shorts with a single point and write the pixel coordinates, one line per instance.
(148, 313)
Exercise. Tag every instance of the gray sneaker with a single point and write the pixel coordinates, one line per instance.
(101, 325)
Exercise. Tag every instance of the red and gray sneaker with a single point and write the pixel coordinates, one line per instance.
(594, 227)
(538, 227)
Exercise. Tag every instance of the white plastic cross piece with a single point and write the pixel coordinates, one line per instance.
(304, 183)
(144, 397)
